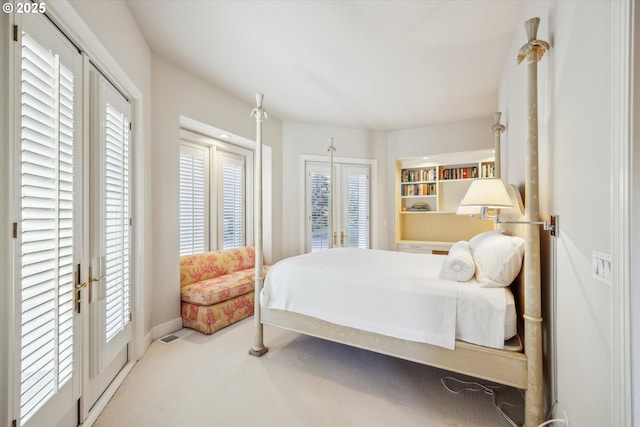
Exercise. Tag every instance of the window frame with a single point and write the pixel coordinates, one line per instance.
(219, 148)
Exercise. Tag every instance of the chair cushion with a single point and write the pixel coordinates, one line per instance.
(217, 289)
(199, 267)
(209, 318)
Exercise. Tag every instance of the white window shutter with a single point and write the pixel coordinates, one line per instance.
(194, 188)
(231, 200)
(47, 220)
(358, 207)
(117, 221)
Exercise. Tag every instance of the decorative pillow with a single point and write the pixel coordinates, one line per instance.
(498, 259)
(459, 264)
(475, 240)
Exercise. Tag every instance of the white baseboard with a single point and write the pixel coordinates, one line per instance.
(107, 395)
(166, 328)
(147, 341)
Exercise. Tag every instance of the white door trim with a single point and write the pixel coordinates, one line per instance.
(77, 30)
(70, 22)
(621, 191)
(373, 196)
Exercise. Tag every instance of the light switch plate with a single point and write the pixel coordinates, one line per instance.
(601, 268)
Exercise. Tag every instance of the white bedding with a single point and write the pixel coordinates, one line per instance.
(391, 293)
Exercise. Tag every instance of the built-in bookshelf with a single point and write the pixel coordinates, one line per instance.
(467, 171)
(429, 192)
(419, 189)
(422, 189)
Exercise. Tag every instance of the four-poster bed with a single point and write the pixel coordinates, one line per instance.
(522, 370)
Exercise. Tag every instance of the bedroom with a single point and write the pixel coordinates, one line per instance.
(581, 36)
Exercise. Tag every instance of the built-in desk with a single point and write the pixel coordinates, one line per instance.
(423, 246)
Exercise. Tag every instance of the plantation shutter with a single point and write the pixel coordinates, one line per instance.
(231, 199)
(319, 191)
(358, 206)
(47, 150)
(117, 221)
(194, 189)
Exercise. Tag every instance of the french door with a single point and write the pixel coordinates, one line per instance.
(48, 234)
(351, 206)
(72, 239)
(109, 225)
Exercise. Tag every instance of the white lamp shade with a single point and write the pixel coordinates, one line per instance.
(468, 210)
(486, 192)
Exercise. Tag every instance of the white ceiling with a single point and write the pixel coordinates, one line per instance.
(379, 65)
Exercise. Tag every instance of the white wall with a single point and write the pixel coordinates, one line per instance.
(170, 92)
(176, 93)
(575, 179)
(300, 139)
(443, 138)
(129, 49)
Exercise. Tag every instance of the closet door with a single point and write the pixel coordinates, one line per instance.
(48, 231)
(110, 223)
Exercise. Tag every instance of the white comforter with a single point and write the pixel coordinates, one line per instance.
(391, 293)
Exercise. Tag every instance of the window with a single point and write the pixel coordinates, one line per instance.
(231, 200)
(194, 198)
(214, 209)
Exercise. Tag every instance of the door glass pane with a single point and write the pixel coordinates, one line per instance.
(358, 209)
(116, 225)
(47, 219)
(319, 211)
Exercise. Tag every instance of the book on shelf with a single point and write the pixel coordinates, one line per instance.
(424, 189)
(419, 207)
(418, 175)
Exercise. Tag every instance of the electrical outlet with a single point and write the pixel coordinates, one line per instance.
(601, 267)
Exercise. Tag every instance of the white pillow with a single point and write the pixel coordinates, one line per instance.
(498, 259)
(459, 264)
(475, 240)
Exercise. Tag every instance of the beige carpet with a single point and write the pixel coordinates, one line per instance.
(302, 381)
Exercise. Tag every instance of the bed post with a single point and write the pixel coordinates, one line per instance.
(331, 149)
(496, 130)
(258, 348)
(531, 53)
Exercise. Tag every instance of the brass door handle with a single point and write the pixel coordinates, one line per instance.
(94, 279)
(342, 238)
(335, 238)
(78, 287)
(91, 280)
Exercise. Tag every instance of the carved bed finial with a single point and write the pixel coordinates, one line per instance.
(496, 130)
(538, 47)
(531, 26)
